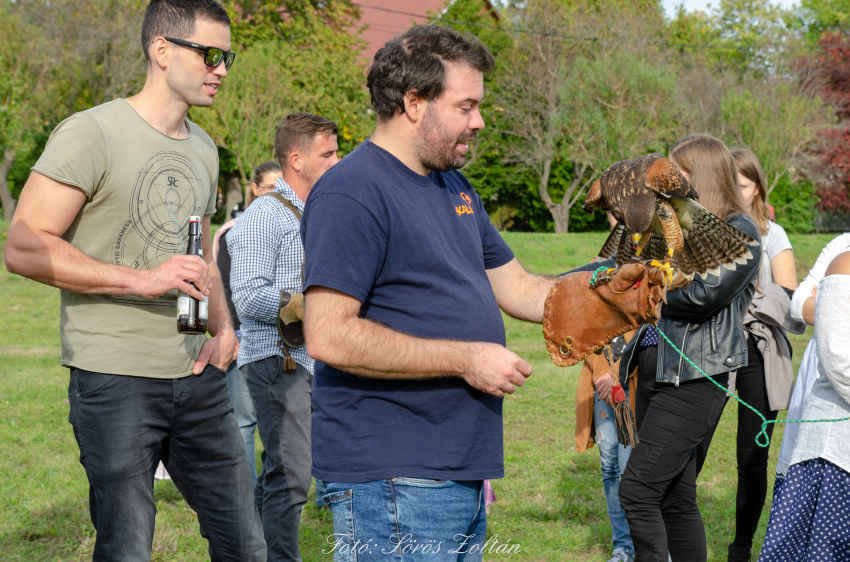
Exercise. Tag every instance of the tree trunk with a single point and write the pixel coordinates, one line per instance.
(554, 208)
(233, 195)
(5, 193)
(561, 214)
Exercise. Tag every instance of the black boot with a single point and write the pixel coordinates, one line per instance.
(739, 553)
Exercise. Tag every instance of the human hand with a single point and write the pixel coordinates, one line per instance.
(219, 351)
(494, 369)
(604, 385)
(177, 272)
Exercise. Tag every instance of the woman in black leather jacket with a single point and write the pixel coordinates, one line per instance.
(676, 405)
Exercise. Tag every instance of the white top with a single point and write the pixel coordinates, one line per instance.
(837, 246)
(830, 396)
(806, 377)
(772, 244)
(808, 372)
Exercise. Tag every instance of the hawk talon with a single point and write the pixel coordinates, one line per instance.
(666, 268)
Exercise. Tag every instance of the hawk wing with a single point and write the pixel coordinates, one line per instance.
(612, 243)
(619, 243)
(709, 241)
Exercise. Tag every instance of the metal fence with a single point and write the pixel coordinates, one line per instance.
(832, 221)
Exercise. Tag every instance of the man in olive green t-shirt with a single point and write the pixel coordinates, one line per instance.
(104, 217)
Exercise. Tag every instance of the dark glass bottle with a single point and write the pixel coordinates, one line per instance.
(192, 314)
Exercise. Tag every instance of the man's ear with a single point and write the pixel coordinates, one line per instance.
(160, 52)
(296, 162)
(414, 106)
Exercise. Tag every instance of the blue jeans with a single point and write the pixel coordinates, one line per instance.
(246, 417)
(283, 405)
(409, 519)
(614, 457)
(125, 425)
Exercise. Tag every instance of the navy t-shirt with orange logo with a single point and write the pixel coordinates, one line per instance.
(414, 250)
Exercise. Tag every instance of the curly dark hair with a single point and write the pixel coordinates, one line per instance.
(416, 61)
(176, 18)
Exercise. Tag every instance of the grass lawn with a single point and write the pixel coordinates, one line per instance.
(551, 501)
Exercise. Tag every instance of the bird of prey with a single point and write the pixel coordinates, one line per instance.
(659, 218)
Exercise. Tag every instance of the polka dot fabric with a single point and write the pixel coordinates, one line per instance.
(650, 337)
(810, 516)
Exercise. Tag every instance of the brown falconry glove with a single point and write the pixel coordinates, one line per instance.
(586, 310)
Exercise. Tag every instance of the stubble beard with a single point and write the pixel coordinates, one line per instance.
(437, 148)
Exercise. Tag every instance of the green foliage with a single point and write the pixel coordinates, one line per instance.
(749, 30)
(628, 101)
(586, 90)
(23, 84)
(688, 30)
(814, 17)
(298, 64)
(774, 122)
(794, 202)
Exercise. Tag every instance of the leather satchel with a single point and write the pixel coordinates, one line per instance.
(586, 310)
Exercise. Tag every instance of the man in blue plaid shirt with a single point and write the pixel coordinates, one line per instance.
(267, 258)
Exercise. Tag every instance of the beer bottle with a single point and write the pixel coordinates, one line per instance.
(192, 314)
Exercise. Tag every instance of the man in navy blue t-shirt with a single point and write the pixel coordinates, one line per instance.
(404, 279)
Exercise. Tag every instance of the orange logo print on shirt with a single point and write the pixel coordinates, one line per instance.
(465, 209)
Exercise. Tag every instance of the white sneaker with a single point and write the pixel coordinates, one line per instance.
(620, 555)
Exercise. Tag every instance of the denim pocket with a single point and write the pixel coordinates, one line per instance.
(267, 369)
(215, 370)
(89, 383)
(341, 543)
(421, 482)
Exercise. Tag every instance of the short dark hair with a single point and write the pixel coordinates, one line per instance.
(296, 132)
(176, 18)
(416, 61)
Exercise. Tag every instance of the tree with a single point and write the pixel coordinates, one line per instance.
(24, 103)
(815, 17)
(775, 121)
(568, 93)
(298, 63)
(827, 69)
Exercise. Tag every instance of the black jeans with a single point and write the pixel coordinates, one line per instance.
(283, 403)
(125, 425)
(752, 459)
(658, 488)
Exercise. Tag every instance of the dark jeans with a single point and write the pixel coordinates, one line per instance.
(658, 488)
(125, 425)
(752, 459)
(283, 405)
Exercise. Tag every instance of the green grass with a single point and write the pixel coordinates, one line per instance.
(551, 501)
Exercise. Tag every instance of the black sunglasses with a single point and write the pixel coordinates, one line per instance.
(212, 55)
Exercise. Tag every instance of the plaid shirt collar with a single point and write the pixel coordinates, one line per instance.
(283, 188)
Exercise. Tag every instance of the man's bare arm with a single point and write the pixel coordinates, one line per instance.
(337, 336)
(35, 249)
(519, 293)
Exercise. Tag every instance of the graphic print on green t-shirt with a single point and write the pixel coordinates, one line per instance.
(167, 192)
(142, 186)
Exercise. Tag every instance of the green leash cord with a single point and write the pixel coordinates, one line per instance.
(764, 421)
